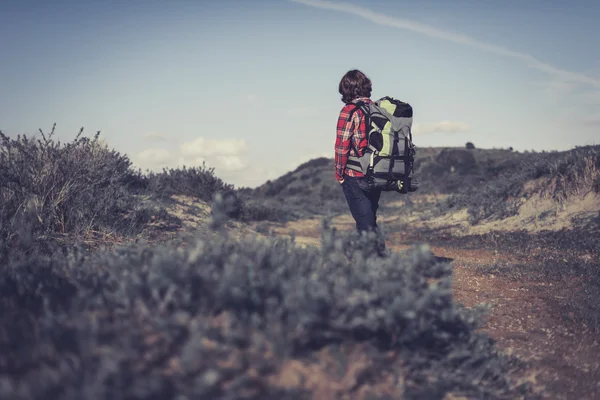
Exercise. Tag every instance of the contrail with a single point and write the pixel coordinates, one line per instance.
(433, 32)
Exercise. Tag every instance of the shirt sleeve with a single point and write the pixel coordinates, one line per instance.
(345, 128)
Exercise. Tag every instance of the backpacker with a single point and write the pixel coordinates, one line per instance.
(388, 160)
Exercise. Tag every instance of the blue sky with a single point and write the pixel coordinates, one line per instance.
(250, 87)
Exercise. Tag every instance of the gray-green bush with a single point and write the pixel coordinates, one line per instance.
(219, 318)
(73, 189)
(199, 182)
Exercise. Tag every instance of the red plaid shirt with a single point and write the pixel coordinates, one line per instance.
(351, 134)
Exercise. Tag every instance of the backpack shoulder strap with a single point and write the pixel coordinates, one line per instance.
(359, 105)
(364, 107)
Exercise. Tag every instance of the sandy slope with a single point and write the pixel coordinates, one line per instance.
(536, 213)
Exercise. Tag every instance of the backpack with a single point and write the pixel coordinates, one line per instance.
(388, 160)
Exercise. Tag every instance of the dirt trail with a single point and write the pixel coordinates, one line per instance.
(526, 318)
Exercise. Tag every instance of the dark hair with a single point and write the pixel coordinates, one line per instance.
(353, 85)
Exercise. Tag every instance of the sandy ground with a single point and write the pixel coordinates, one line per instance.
(536, 213)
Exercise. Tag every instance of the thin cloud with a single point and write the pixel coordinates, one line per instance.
(427, 30)
(252, 98)
(219, 163)
(155, 136)
(215, 147)
(299, 112)
(592, 98)
(152, 159)
(441, 127)
(593, 122)
(222, 154)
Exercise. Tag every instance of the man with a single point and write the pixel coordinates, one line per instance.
(351, 140)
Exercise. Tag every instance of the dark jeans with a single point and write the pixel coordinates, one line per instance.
(363, 202)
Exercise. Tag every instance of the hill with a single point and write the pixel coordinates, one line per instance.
(484, 184)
